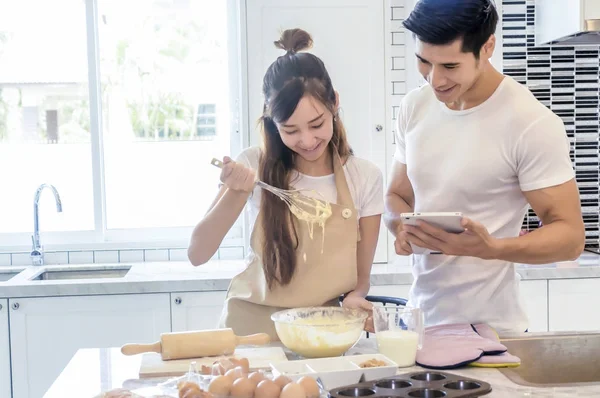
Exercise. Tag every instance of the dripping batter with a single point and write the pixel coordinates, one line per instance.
(312, 211)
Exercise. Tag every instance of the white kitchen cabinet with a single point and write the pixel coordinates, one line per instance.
(47, 331)
(196, 310)
(5, 390)
(349, 37)
(534, 297)
(573, 304)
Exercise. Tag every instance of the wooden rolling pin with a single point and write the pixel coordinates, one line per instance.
(196, 344)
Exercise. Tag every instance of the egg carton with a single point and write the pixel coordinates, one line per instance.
(170, 387)
(416, 385)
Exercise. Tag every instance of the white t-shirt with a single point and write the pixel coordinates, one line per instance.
(365, 181)
(478, 162)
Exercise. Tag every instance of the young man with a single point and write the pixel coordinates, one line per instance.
(475, 141)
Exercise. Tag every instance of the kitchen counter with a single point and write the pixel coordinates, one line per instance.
(92, 371)
(158, 277)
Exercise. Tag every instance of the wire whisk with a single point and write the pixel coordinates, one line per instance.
(305, 208)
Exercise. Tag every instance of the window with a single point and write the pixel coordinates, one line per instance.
(44, 115)
(206, 125)
(135, 167)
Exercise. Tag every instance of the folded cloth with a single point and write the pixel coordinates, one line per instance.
(503, 360)
(453, 346)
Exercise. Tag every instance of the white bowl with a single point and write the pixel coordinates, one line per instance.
(292, 369)
(336, 371)
(319, 332)
(390, 369)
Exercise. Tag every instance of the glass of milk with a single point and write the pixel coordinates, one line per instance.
(399, 333)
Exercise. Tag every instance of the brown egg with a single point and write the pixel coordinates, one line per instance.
(310, 386)
(220, 385)
(256, 377)
(245, 364)
(267, 389)
(188, 389)
(193, 394)
(292, 390)
(282, 380)
(242, 387)
(187, 385)
(218, 369)
(225, 364)
(235, 373)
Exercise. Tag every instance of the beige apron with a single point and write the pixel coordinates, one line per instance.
(319, 280)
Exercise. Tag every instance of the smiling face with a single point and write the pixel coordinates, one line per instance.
(308, 130)
(451, 72)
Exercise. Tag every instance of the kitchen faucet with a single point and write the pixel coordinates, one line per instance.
(37, 252)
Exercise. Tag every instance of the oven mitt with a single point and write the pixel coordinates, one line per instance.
(453, 346)
(503, 360)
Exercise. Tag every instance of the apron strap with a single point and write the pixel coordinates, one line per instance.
(344, 198)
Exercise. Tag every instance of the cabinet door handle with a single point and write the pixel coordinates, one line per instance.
(15, 306)
(379, 127)
(0, 307)
(178, 300)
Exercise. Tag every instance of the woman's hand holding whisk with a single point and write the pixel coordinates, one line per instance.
(236, 176)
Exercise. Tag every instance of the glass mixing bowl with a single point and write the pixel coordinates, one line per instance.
(319, 332)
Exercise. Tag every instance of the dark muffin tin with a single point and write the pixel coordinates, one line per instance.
(426, 384)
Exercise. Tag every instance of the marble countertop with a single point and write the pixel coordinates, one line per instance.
(159, 277)
(94, 370)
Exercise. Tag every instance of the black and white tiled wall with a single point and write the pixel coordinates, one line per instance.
(564, 78)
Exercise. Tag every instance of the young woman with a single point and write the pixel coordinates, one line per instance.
(304, 147)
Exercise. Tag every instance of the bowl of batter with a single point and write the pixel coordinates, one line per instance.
(319, 332)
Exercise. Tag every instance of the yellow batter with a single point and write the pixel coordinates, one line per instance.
(303, 206)
(330, 337)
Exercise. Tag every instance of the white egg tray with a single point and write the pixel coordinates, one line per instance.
(336, 372)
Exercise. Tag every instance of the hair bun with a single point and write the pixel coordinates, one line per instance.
(294, 40)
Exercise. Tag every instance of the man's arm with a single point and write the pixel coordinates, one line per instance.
(548, 182)
(399, 197)
(562, 236)
(546, 178)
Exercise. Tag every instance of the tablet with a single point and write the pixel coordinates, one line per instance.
(448, 221)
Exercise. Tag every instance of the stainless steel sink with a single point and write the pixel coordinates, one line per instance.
(555, 361)
(82, 273)
(7, 275)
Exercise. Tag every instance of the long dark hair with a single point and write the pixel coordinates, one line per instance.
(289, 78)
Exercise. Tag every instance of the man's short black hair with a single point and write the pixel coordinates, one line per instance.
(441, 22)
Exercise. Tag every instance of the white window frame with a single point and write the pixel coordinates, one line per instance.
(178, 237)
